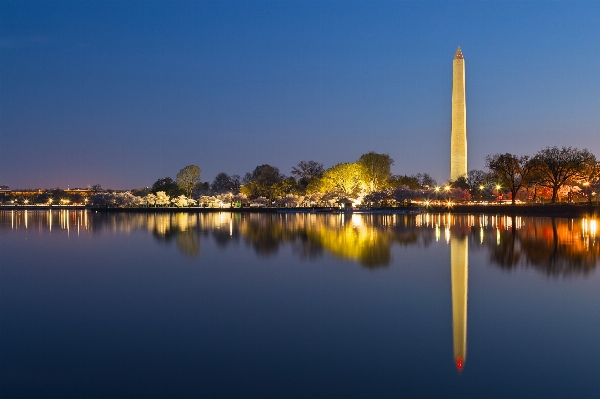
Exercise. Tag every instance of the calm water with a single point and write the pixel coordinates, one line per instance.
(298, 306)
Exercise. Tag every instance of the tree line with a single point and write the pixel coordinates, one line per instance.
(369, 181)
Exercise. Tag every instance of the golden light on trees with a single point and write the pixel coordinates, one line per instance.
(187, 178)
(345, 177)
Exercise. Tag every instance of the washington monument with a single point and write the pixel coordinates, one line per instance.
(458, 145)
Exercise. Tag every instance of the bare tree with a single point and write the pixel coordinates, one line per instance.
(510, 171)
(223, 183)
(553, 167)
(307, 171)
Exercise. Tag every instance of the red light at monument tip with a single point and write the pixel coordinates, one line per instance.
(459, 363)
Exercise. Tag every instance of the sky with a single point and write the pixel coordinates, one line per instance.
(123, 93)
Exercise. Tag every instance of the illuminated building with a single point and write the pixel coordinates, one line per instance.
(458, 141)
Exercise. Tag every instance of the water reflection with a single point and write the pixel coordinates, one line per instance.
(554, 246)
(459, 271)
(551, 245)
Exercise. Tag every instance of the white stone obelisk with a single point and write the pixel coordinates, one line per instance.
(458, 144)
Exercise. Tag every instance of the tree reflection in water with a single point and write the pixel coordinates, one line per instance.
(554, 246)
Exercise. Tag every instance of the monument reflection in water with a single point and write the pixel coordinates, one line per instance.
(459, 264)
(554, 246)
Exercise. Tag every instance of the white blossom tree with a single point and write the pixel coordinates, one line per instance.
(260, 201)
(289, 201)
(149, 199)
(241, 199)
(182, 201)
(162, 199)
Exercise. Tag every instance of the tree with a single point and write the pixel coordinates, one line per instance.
(307, 171)
(162, 198)
(265, 174)
(285, 187)
(590, 182)
(260, 182)
(96, 188)
(379, 198)
(224, 183)
(375, 170)
(411, 182)
(510, 171)
(183, 201)
(425, 180)
(477, 181)
(461, 183)
(404, 194)
(345, 177)
(167, 185)
(187, 178)
(149, 199)
(552, 167)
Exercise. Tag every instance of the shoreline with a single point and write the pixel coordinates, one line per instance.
(534, 210)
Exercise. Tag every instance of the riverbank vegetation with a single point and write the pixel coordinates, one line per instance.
(551, 175)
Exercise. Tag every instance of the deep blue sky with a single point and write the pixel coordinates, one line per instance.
(122, 93)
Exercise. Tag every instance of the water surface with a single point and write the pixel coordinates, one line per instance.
(227, 305)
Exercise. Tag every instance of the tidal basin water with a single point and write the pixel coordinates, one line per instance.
(229, 305)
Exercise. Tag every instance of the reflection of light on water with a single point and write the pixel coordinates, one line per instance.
(230, 227)
(356, 221)
(183, 221)
(447, 234)
(437, 232)
(481, 235)
(26, 218)
(497, 236)
(588, 231)
(161, 225)
(223, 217)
